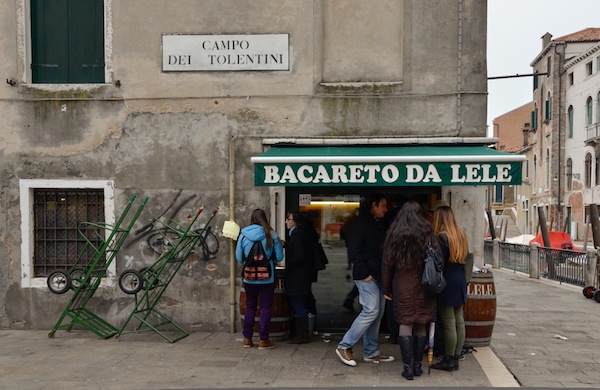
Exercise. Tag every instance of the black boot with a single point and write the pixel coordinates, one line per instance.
(419, 349)
(456, 359)
(408, 357)
(446, 364)
(302, 336)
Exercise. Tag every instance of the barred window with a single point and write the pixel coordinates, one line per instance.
(58, 214)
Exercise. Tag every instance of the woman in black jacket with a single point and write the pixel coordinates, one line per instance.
(299, 271)
(454, 245)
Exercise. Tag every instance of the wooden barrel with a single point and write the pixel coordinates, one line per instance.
(281, 310)
(480, 309)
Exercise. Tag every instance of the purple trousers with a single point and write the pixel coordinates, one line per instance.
(256, 293)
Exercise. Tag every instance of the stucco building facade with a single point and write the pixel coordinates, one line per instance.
(171, 100)
(559, 125)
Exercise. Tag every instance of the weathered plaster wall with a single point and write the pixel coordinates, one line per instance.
(158, 133)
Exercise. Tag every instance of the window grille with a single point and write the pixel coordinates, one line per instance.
(57, 215)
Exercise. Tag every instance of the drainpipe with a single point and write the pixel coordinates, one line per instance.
(560, 92)
(232, 243)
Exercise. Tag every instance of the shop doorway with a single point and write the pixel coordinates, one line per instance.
(330, 209)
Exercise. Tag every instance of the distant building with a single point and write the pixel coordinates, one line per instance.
(556, 159)
(582, 134)
(512, 130)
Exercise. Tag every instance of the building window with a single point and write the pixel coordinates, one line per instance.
(535, 172)
(548, 108)
(588, 170)
(589, 68)
(589, 110)
(598, 64)
(549, 66)
(52, 212)
(598, 108)
(596, 171)
(534, 115)
(569, 174)
(526, 174)
(570, 121)
(57, 215)
(498, 193)
(571, 78)
(67, 41)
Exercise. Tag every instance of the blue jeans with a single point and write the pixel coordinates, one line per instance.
(366, 324)
(298, 303)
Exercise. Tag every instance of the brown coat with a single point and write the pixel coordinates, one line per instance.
(411, 303)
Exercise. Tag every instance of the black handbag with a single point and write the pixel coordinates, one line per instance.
(432, 279)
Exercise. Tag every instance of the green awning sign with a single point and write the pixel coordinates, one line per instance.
(386, 166)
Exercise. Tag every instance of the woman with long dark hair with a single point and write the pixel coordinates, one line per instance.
(262, 290)
(403, 261)
(455, 248)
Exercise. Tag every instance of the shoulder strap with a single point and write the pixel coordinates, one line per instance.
(244, 255)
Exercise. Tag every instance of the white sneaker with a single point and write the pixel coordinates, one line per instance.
(345, 356)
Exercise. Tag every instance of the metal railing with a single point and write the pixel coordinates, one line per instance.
(565, 266)
(562, 265)
(514, 256)
(592, 132)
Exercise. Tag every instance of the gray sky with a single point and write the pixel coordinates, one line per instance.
(515, 28)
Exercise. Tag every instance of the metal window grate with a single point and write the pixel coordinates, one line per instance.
(57, 215)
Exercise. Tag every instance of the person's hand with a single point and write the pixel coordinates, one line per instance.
(388, 297)
(282, 243)
(367, 278)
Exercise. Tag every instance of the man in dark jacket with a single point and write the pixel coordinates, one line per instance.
(365, 250)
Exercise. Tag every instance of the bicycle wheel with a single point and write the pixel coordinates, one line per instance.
(209, 244)
(212, 243)
(163, 240)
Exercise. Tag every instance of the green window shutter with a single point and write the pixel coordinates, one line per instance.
(49, 41)
(535, 83)
(86, 41)
(570, 115)
(67, 41)
(532, 121)
(547, 110)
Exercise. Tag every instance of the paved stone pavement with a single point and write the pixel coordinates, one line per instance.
(530, 314)
(547, 334)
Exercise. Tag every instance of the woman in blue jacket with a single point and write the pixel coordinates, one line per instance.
(262, 290)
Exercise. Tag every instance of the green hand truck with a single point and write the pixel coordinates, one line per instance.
(152, 281)
(102, 241)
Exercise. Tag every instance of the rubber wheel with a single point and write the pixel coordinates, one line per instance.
(208, 244)
(597, 296)
(131, 281)
(212, 243)
(59, 282)
(588, 292)
(147, 275)
(77, 277)
(163, 240)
